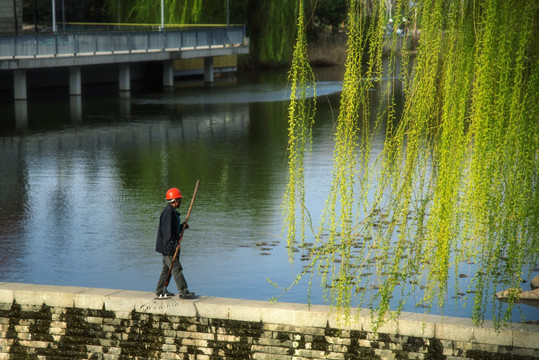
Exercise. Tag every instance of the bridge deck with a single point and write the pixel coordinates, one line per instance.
(89, 48)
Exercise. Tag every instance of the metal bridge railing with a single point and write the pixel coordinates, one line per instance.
(77, 43)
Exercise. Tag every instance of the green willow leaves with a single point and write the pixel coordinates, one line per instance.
(455, 187)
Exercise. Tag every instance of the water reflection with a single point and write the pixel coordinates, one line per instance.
(21, 114)
(82, 186)
(75, 103)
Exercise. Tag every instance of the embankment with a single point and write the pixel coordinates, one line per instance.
(56, 322)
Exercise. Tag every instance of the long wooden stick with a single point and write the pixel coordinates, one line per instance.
(180, 239)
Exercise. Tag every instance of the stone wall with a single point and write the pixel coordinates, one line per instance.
(53, 322)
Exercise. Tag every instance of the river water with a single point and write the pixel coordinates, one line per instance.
(82, 185)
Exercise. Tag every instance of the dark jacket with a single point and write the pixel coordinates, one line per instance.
(168, 232)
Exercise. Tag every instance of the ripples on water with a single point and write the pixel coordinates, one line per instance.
(81, 193)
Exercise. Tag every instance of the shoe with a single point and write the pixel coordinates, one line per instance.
(186, 294)
(167, 294)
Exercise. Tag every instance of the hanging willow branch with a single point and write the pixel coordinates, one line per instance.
(457, 179)
(300, 118)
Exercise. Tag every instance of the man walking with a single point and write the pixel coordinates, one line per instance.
(168, 236)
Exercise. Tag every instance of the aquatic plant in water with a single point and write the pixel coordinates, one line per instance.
(457, 179)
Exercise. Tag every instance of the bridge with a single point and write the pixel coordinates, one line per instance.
(74, 50)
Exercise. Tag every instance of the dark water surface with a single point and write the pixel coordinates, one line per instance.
(82, 185)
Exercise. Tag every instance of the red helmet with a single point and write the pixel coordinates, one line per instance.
(172, 194)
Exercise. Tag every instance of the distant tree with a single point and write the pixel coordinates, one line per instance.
(39, 12)
(327, 14)
(271, 25)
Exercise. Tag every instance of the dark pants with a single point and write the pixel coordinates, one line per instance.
(177, 273)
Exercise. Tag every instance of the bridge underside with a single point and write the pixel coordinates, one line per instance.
(75, 50)
(123, 60)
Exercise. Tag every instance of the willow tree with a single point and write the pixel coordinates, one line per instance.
(175, 12)
(271, 25)
(456, 182)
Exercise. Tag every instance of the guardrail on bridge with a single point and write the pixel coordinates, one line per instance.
(95, 43)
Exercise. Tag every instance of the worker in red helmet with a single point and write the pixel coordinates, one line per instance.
(168, 236)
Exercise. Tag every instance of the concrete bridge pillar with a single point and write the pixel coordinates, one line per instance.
(168, 73)
(19, 77)
(208, 70)
(125, 77)
(75, 87)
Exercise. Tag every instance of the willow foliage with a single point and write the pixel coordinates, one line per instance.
(456, 183)
(176, 12)
(270, 24)
(300, 118)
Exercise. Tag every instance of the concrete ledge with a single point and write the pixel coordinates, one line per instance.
(284, 315)
(117, 57)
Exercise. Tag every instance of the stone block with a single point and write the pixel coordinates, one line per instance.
(415, 355)
(525, 336)
(24, 336)
(264, 356)
(28, 297)
(114, 350)
(279, 327)
(58, 325)
(354, 321)
(384, 354)
(181, 307)
(225, 338)
(33, 344)
(111, 357)
(204, 336)
(457, 329)
(487, 348)
(6, 295)
(314, 316)
(122, 315)
(94, 320)
(126, 301)
(338, 340)
(334, 356)
(280, 313)
(202, 357)
(275, 350)
(22, 328)
(5, 343)
(169, 348)
(94, 349)
(364, 343)
(390, 326)
(213, 309)
(338, 348)
(194, 342)
(488, 335)
(60, 296)
(417, 325)
(310, 354)
(170, 356)
(463, 345)
(519, 352)
(243, 310)
(92, 298)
